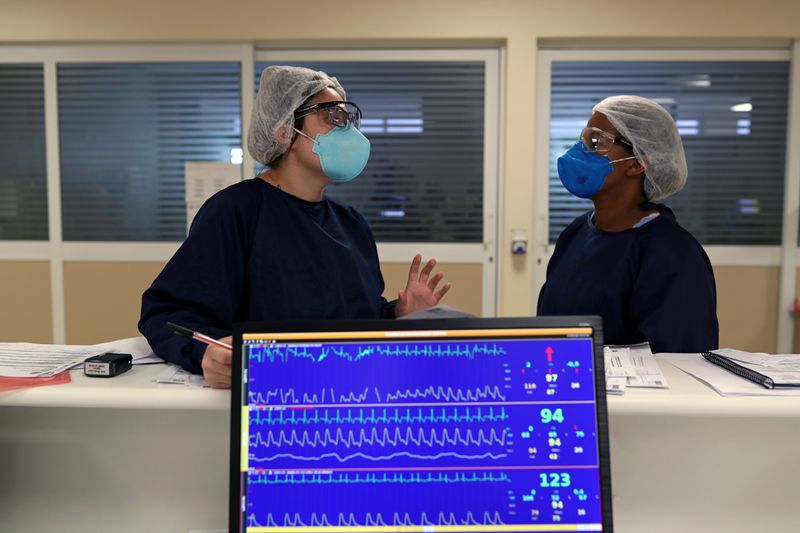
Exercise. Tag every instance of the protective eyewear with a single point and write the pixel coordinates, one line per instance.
(601, 141)
(338, 112)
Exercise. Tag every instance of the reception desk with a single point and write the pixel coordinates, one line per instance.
(128, 455)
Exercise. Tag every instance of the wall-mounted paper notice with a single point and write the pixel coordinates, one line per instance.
(203, 179)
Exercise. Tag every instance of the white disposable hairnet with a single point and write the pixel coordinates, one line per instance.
(656, 142)
(280, 92)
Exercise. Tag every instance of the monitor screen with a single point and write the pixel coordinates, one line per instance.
(424, 425)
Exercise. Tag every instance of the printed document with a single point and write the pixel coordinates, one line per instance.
(632, 366)
(27, 360)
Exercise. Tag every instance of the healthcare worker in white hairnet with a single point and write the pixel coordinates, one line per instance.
(628, 260)
(275, 247)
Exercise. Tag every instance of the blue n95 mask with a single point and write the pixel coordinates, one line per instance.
(343, 152)
(583, 171)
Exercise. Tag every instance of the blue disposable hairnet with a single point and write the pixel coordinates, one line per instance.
(655, 138)
(282, 90)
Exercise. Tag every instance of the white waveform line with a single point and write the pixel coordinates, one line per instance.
(389, 457)
(440, 393)
(290, 397)
(382, 438)
(319, 522)
(378, 521)
(350, 520)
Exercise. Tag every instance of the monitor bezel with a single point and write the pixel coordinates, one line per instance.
(595, 322)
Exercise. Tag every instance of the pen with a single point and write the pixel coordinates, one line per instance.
(186, 332)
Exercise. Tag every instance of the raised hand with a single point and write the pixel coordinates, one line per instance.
(420, 292)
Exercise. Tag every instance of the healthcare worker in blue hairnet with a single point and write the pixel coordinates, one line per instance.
(275, 247)
(628, 260)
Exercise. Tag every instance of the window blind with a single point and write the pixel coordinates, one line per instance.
(732, 116)
(126, 131)
(23, 165)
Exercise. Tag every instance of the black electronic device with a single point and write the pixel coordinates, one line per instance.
(461, 425)
(107, 365)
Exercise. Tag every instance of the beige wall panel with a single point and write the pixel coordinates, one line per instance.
(296, 22)
(467, 280)
(747, 307)
(102, 300)
(25, 314)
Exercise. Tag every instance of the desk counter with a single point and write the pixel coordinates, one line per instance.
(132, 390)
(136, 390)
(128, 455)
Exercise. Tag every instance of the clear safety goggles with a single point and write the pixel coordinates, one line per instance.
(337, 113)
(601, 141)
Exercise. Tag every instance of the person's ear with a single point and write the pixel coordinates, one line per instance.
(635, 169)
(284, 134)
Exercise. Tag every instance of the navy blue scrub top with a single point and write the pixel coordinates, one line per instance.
(257, 253)
(651, 283)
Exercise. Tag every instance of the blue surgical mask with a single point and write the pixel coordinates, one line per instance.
(343, 152)
(583, 171)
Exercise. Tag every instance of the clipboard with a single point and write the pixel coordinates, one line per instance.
(740, 370)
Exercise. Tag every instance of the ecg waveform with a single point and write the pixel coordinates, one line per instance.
(279, 396)
(344, 458)
(517, 497)
(399, 437)
(353, 353)
(290, 397)
(370, 478)
(449, 394)
(442, 519)
(315, 417)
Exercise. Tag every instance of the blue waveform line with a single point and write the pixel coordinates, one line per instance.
(439, 393)
(350, 520)
(375, 458)
(408, 415)
(353, 353)
(378, 479)
(375, 437)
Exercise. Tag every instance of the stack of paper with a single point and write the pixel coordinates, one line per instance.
(783, 368)
(27, 360)
(632, 366)
(729, 384)
(175, 375)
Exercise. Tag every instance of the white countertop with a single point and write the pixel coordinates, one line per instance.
(135, 390)
(676, 457)
(132, 390)
(688, 396)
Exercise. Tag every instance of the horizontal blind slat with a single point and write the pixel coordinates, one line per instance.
(23, 170)
(736, 160)
(126, 131)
